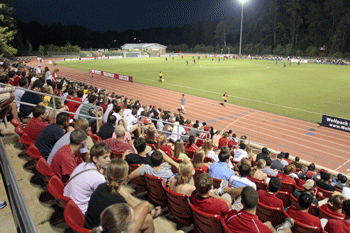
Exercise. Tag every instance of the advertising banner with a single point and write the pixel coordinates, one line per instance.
(112, 75)
(336, 123)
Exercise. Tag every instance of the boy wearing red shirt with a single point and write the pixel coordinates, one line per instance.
(37, 123)
(268, 197)
(207, 201)
(340, 226)
(301, 214)
(246, 220)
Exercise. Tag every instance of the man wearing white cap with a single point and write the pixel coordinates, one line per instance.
(38, 69)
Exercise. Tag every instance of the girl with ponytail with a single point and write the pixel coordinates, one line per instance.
(113, 192)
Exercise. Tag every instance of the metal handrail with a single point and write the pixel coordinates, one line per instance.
(22, 218)
(97, 108)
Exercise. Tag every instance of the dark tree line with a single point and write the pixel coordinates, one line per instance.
(284, 27)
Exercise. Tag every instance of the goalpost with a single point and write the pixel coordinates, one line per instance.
(131, 54)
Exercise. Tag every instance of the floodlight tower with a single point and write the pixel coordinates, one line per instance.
(240, 39)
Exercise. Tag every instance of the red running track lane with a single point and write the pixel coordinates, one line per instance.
(276, 131)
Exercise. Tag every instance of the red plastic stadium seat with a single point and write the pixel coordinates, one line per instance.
(189, 153)
(115, 155)
(153, 146)
(44, 169)
(15, 122)
(198, 171)
(208, 160)
(173, 168)
(139, 181)
(325, 214)
(325, 193)
(268, 213)
(26, 140)
(287, 187)
(56, 189)
(19, 130)
(155, 190)
(225, 227)
(216, 183)
(95, 139)
(259, 183)
(303, 228)
(284, 196)
(74, 217)
(178, 206)
(204, 222)
(34, 153)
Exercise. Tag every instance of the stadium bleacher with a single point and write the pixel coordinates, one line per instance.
(40, 202)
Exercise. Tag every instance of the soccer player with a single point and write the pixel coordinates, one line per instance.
(224, 99)
(182, 57)
(161, 76)
(284, 66)
(187, 63)
(166, 59)
(92, 75)
(194, 61)
(218, 59)
(173, 57)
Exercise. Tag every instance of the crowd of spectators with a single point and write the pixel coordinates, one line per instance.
(170, 143)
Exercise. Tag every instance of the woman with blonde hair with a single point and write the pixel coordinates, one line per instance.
(179, 151)
(257, 172)
(151, 136)
(112, 192)
(161, 144)
(127, 136)
(208, 149)
(88, 175)
(183, 183)
(216, 138)
(250, 153)
(198, 160)
(48, 90)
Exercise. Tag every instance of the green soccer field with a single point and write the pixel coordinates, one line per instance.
(303, 92)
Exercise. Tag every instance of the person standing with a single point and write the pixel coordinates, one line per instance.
(224, 99)
(183, 101)
(161, 76)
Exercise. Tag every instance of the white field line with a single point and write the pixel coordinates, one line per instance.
(238, 97)
(342, 165)
(239, 119)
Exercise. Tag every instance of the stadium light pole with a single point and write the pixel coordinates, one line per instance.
(240, 39)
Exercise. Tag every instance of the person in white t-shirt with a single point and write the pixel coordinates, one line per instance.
(132, 123)
(38, 69)
(178, 131)
(87, 176)
(240, 153)
(48, 75)
(127, 111)
(106, 114)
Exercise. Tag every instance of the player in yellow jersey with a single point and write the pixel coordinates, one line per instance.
(161, 77)
(224, 99)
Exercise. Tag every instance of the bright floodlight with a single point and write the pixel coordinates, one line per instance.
(243, 1)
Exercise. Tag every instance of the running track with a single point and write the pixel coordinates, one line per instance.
(299, 138)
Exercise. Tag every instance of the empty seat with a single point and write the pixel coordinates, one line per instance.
(44, 169)
(155, 190)
(56, 189)
(75, 218)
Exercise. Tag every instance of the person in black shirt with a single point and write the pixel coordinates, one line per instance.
(141, 157)
(325, 182)
(32, 98)
(297, 164)
(106, 131)
(264, 155)
(51, 134)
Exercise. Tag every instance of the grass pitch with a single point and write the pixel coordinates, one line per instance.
(304, 92)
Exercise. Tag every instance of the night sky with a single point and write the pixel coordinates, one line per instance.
(119, 15)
